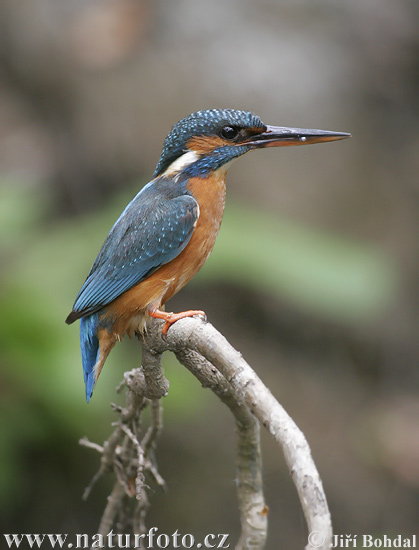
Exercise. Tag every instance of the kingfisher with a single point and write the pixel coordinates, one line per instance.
(166, 233)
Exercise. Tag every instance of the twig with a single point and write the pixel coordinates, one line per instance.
(139, 480)
(86, 443)
(113, 507)
(156, 425)
(126, 456)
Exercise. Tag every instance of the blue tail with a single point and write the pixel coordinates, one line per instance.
(89, 344)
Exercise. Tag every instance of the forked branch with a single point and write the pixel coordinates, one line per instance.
(218, 366)
(193, 336)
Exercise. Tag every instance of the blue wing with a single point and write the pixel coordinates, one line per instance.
(153, 229)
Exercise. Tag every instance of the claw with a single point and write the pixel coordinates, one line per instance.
(171, 318)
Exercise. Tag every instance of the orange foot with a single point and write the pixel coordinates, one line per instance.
(171, 318)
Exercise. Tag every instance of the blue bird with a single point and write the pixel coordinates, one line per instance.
(166, 233)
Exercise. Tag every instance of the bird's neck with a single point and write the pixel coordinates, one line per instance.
(196, 163)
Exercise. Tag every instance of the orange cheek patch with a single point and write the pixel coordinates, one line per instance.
(204, 145)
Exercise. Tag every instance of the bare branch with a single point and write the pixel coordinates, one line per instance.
(112, 509)
(128, 457)
(218, 366)
(89, 444)
(156, 425)
(139, 480)
(249, 462)
(156, 385)
(246, 388)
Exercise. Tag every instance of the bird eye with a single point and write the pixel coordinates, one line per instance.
(229, 132)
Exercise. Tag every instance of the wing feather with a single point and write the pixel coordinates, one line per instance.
(151, 232)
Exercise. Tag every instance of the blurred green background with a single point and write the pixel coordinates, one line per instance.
(314, 276)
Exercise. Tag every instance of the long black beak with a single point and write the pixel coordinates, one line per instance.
(278, 136)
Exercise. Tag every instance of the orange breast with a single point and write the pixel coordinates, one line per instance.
(127, 310)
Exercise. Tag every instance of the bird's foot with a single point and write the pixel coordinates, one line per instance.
(171, 318)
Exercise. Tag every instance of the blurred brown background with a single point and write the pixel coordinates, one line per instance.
(313, 277)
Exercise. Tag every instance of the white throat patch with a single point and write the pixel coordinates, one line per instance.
(180, 163)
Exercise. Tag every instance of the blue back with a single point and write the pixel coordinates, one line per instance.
(152, 230)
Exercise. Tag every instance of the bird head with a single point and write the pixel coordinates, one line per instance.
(207, 140)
